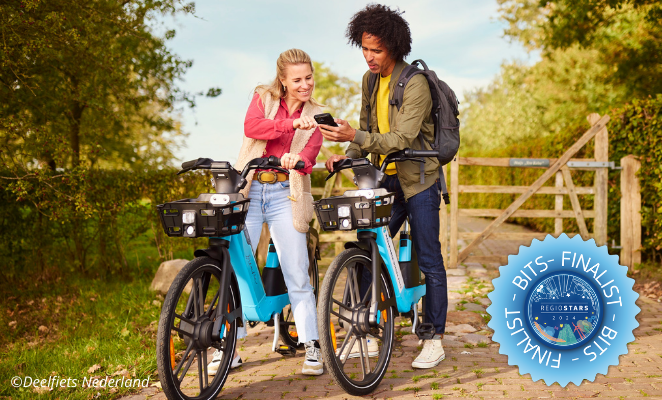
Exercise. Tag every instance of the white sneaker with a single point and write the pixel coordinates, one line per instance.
(312, 365)
(431, 355)
(212, 367)
(373, 349)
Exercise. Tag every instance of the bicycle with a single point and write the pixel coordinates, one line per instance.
(362, 306)
(208, 297)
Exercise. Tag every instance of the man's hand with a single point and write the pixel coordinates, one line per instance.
(342, 133)
(334, 158)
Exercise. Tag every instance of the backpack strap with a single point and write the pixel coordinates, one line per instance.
(372, 80)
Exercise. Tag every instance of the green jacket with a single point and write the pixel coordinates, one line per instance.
(413, 117)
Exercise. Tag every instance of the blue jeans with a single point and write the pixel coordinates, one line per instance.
(269, 203)
(422, 210)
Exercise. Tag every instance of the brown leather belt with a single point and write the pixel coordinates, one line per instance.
(270, 177)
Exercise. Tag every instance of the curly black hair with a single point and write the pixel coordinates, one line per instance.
(384, 23)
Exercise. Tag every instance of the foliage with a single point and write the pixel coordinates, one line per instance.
(524, 102)
(635, 128)
(85, 222)
(627, 35)
(86, 83)
(340, 95)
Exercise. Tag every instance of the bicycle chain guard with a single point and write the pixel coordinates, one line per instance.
(425, 331)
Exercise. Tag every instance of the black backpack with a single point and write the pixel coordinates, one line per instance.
(444, 115)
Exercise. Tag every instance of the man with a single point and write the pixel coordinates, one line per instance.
(385, 39)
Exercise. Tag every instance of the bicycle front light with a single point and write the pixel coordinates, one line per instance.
(188, 217)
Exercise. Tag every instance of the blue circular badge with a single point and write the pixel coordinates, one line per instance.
(563, 310)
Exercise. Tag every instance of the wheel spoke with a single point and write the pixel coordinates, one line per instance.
(361, 357)
(184, 319)
(211, 306)
(181, 363)
(341, 317)
(174, 328)
(350, 334)
(204, 367)
(200, 379)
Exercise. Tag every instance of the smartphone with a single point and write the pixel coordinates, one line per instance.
(325, 119)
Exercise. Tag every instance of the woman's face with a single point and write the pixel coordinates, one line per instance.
(299, 81)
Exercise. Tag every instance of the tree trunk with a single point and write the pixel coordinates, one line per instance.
(74, 134)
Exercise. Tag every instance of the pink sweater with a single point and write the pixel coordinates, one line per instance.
(279, 132)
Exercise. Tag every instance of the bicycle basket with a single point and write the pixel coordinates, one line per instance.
(208, 215)
(355, 209)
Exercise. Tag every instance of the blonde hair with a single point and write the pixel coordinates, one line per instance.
(288, 57)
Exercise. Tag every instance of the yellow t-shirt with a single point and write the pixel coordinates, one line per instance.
(382, 115)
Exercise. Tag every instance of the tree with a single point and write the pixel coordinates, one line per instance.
(340, 95)
(626, 33)
(87, 83)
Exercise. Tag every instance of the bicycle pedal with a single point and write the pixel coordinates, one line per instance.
(285, 350)
(425, 331)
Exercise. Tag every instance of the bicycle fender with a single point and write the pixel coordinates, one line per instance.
(210, 252)
(358, 245)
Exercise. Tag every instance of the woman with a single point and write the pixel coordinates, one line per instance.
(280, 123)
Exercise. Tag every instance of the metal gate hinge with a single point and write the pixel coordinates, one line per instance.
(592, 164)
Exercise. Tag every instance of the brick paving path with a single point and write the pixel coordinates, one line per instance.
(473, 367)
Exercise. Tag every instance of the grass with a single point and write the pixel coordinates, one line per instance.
(88, 324)
(434, 386)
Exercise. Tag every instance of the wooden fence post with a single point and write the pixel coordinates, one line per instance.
(558, 205)
(600, 183)
(455, 189)
(630, 212)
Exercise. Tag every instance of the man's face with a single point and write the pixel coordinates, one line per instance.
(376, 55)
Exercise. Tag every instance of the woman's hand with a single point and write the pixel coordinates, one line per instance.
(334, 158)
(304, 123)
(288, 160)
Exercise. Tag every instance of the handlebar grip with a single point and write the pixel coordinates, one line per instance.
(421, 153)
(275, 161)
(189, 164)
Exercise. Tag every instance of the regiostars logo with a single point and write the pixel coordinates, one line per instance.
(563, 310)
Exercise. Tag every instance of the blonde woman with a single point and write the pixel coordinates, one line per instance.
(280, 123)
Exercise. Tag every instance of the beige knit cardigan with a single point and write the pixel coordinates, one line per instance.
(302, 206)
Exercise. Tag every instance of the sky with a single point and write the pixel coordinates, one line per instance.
(234, 45)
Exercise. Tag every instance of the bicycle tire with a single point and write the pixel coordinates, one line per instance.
(342, 376)
(168, 375)
(291, 338)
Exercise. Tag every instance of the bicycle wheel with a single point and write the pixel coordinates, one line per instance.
(357, 355)
(288, 331)
(184, 336)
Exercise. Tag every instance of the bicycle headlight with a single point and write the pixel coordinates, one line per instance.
(188, 217)
(343, 211)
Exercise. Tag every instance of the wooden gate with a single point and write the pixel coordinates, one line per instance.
(560, 168)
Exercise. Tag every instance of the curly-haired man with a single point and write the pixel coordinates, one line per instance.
(385, 39)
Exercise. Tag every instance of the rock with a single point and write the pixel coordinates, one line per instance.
(455, 272)
(461, 328)
(485, 301)
(477, 270)
(473, 338)
(465, 317)
(166, 273)
(473, 307)
(454, 295)
(456, 281)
